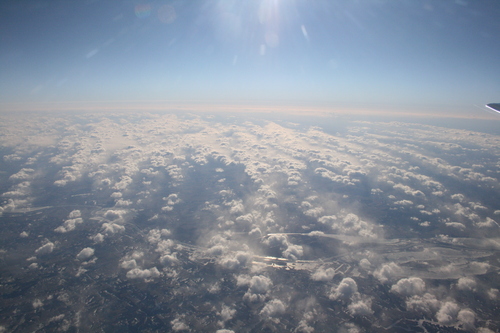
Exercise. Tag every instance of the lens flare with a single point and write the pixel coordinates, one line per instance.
(142, 10)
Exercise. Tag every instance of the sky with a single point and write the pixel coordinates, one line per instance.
(404, 56)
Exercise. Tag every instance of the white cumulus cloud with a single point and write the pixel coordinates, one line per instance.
(45, 249)
(85, 253)
(388, 272)
(466, 283)
(146, 274)
(346, 289)
(447, 313)
(409, 286)
(323, 274)
(272, 308)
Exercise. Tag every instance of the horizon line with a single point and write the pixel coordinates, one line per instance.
(248, 106)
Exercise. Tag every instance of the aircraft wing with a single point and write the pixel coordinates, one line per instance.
(494, 106)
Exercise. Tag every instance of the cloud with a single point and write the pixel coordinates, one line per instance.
(56, 318)
(74, 214)
(360, 307)
(322, 274)
(304, 327)
(236, 260)
(409, 286)
(112, 228)
(277, 240)
(258, 286)
(423, 304)
(466, 283)
(20, 190)
(14, 204)
(128, 264)
(351, 224)
(408, 190)
(449, 270)
(388, 272)
(255, 233)
(467, 318)
(484, 330)
(310, 210)
(23, 174)
(272, 308)
(493, 294)
(163, 246)
(350, 328)
(456, 225)
(114, 215)
(328, 219)
(447, 313)
(458, 197)
(175, 172)
(74, 218)
(37, 303)
(146, 274)
(466, 212)
(98, 238)
(478, 268)
(227, 313)
(45, 249)
(488, 223)
(179, 325)
(404, 203)
(85, 253)
(293, 252)
(155, 235)
(168, 259)
(285, 174)
(365, 264)
(124, 182)
(171, 200)
(345, 290)
(280, 241)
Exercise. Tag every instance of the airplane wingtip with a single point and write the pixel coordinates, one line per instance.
(494, 106)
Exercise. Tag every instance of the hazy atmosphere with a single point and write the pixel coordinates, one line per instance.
(249, 166)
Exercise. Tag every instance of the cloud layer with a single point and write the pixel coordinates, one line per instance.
(227, 221)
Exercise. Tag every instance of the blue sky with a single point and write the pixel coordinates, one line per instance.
(367, 54)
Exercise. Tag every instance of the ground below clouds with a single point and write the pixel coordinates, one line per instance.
(184, 222)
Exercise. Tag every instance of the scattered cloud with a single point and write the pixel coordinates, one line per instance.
(360, 307)
(175, 196)
(388, 272)
(47, 248)
(409, 286)
(467, 318)
(447, 313)
(466, 283)
(426, 303)
(85, 253)
(272, 308)
(179, 325)
(345, 290)
(146, 274)
(323, 274)
(258, 286)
